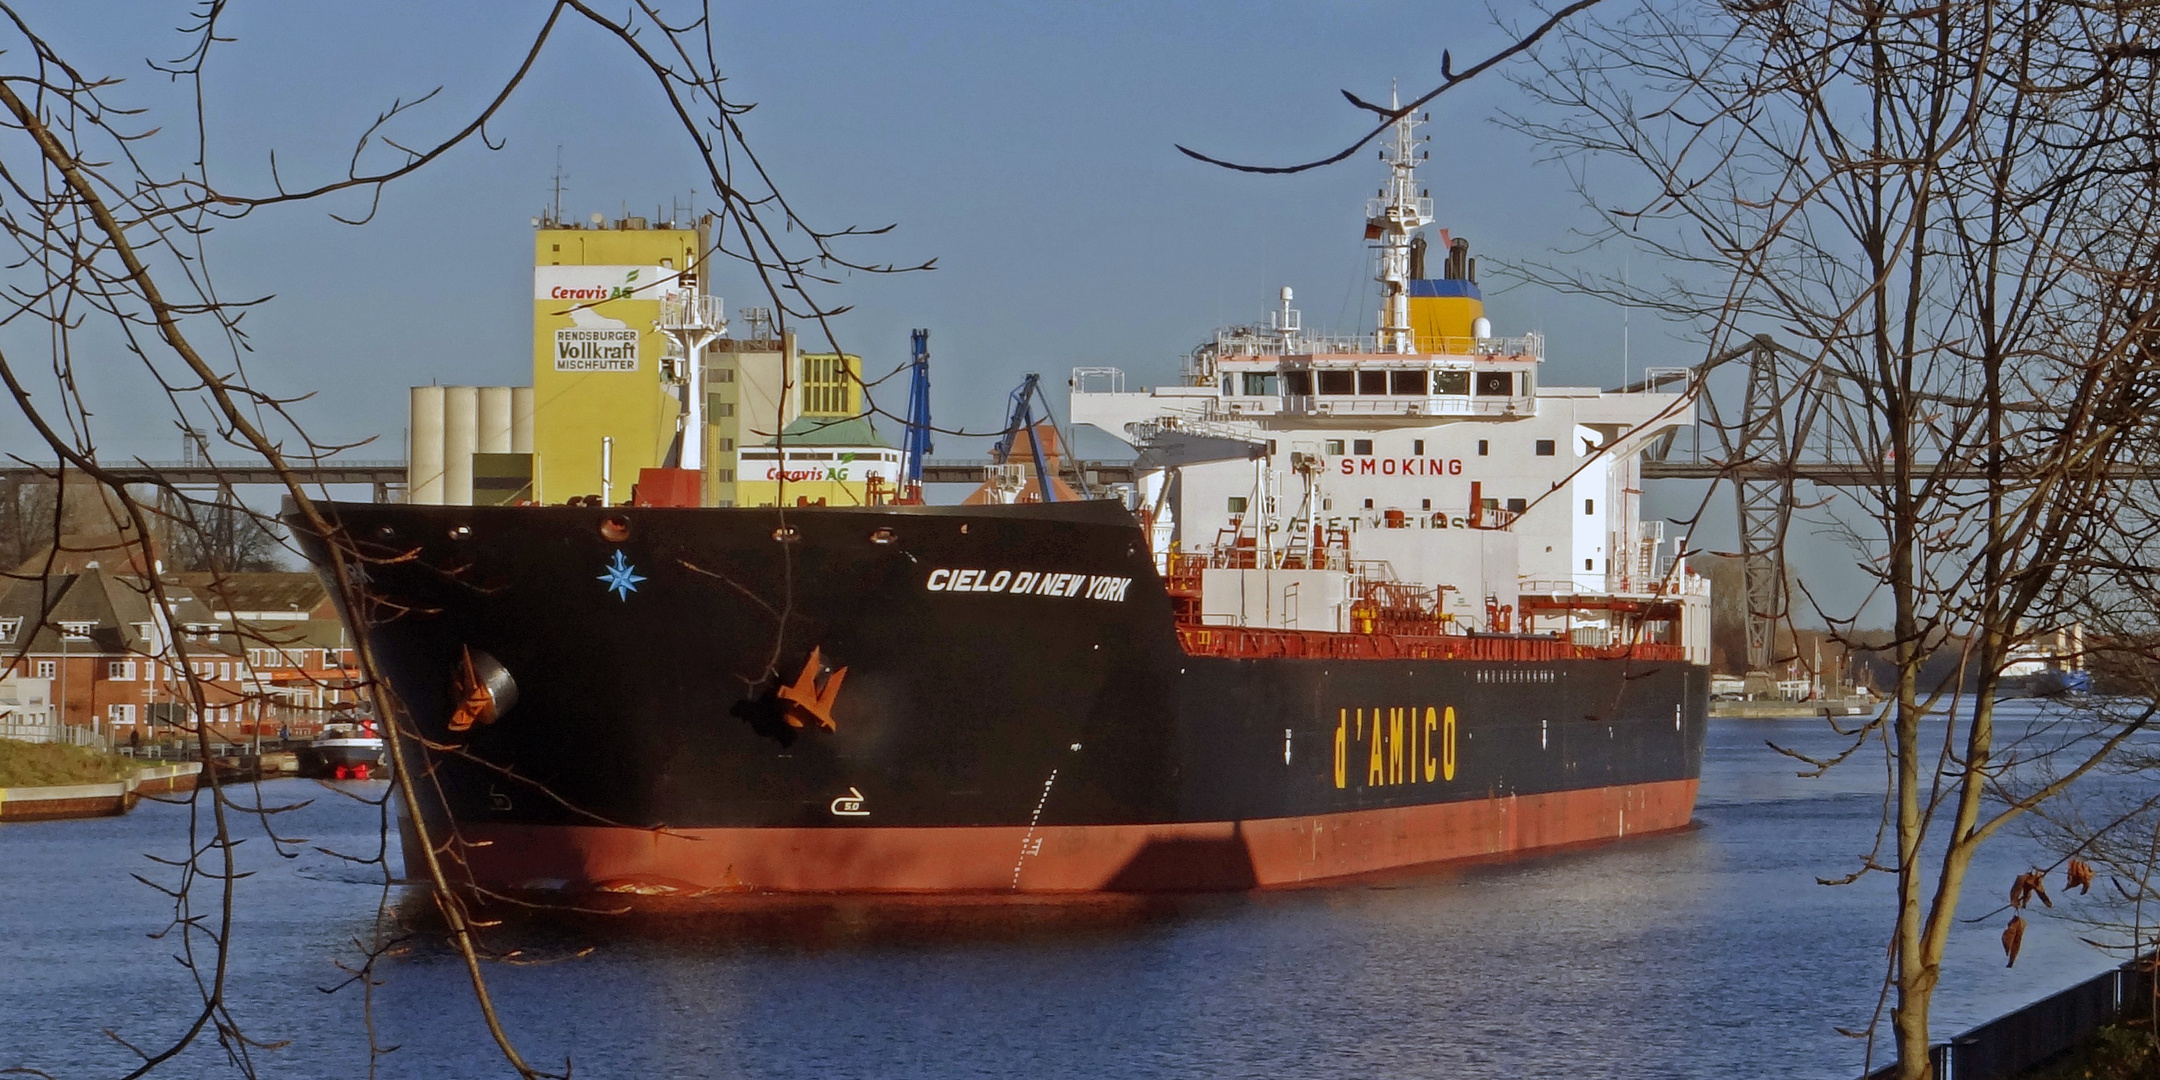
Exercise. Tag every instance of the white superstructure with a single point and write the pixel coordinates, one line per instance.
(1309, 482)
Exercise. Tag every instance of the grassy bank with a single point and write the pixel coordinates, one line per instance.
(30, 764)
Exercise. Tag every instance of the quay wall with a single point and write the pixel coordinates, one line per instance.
(51, 802)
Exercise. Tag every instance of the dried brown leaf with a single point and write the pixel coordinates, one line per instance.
(2028, 885)
(2078, 875)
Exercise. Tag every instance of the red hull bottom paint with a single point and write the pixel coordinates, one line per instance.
(1187, 857)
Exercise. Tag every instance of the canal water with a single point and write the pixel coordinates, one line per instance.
(1709, 953)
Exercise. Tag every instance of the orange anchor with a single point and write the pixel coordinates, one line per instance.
(806, 698)
(471, 701)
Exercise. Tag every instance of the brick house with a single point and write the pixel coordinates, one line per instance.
(266, 657)
(297, 652)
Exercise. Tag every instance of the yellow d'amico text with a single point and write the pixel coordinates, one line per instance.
(1401, 747)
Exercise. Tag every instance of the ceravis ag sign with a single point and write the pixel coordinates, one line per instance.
(814, 465)
(604, 325)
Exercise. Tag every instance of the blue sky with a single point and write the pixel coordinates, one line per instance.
(1028, 148)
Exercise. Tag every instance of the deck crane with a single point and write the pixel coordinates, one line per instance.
(1022, 419)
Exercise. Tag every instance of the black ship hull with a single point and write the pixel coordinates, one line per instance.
(1010, 709)
(2045, 684)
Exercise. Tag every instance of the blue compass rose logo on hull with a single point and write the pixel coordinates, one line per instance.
(621, 577)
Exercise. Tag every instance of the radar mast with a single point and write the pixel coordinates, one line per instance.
(1393, 219)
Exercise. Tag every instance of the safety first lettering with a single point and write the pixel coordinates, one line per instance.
(1030, 583)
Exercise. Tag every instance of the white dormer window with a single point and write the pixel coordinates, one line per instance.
(9, 628)
(76, 631)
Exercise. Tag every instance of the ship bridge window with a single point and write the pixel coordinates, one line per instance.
(1259, 384)
(1361, 447)
(1371, 382)
(1411, 383)
(1338, 382)
(1544, 448)
(1451, 382)
(1237, 504)
(1496, 383)
(1517, 506)
(1332, 446)
(1297, 383)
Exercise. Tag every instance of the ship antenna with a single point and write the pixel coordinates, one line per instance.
(1393, 219)
(555, 214)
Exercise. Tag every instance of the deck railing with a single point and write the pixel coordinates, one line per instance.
(1256, 643)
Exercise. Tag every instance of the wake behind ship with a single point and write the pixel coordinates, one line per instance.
(1372, 602)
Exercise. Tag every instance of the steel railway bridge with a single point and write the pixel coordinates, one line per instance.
(1796, 422)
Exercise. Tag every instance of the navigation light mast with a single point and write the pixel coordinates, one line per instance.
(1393, 219)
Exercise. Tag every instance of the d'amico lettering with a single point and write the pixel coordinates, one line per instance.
(1400, 745)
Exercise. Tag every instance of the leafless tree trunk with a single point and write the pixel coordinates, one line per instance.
(113, 261)
(1947, 213)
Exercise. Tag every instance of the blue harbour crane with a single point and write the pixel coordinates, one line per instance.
(915, 447)
(1022, 419)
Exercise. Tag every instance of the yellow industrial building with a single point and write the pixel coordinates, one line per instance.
(601, 406)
